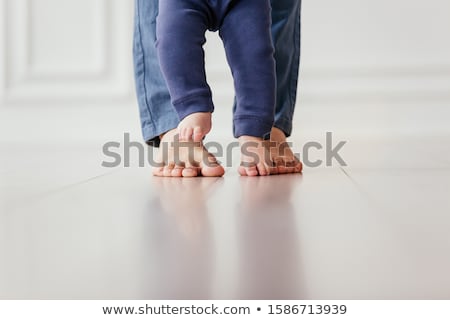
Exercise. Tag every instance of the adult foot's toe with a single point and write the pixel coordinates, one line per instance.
(290, 166)
(280, 164)
(213, 171)
(298, 167)
(285, 166)
(262, 170)
(178, 171)
(274, 170)
(188, 160)
(168, 170)
(242, 171)
(189, 172)
(210, 167)
(158, 171)
(250, 170)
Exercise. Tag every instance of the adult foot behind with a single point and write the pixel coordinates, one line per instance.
(185, 159)
(282, 155)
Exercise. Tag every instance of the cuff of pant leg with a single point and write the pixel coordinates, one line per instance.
(254, 127)
(200, 103)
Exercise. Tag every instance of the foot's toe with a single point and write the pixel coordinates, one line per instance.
(210, 167)
(168, 170)
(191, 169)
(158, 169)
(178, 170)
(242, 171)
(248, 169)
(298, 166)
(274, 170)
(288, 166)
(189, 134)
(280, 163)
(262, 169)
(158, 172)
(213, 170)
(198, 134)
(182, 133)
(252, 171)
(190, 172)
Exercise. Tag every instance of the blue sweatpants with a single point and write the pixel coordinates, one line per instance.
(245, 29)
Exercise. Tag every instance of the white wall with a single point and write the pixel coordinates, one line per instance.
(354, 49)
(65, 51)
(367, 68)
(359, 58)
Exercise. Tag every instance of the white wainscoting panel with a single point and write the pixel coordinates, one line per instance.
(66, 51)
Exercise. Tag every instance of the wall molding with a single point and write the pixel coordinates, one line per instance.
(104, 76)
(107, 77)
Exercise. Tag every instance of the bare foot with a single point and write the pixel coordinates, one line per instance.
(185, 159)
(255, 157)
(195, 126)
(281, 154)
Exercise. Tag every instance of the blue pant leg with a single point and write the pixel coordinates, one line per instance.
(181, 27)
(156, 111)
(286, 21)
(250, 54)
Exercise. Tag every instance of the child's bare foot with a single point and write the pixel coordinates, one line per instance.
(255, 157)
(185, 159)
(281, 154)
(195, 126)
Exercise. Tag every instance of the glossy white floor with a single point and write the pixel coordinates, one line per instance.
(377, 228)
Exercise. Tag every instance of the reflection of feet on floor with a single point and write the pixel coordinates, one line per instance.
(185, 200)
(268, 238)
(264, 194)
(282, 155)
(185, 159)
